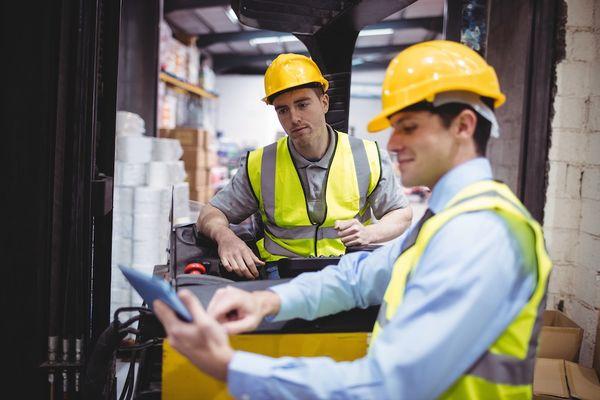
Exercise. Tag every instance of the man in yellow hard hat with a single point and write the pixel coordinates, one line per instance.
(315, 189)
(461, 293)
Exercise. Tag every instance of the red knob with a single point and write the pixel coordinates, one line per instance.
(194, 269)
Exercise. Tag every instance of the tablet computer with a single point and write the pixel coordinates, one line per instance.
(152, 288)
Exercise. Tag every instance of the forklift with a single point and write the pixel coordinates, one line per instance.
(329, 31)
(194, 265)
(66, 64)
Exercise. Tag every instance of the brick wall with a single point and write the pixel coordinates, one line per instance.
(572, 210)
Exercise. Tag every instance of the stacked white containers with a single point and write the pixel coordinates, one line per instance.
(147, 171)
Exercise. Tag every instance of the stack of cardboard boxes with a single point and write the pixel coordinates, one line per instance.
(557, 374)
(198, 157)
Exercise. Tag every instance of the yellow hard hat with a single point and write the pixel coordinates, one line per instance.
(426, 69)
(291, 70)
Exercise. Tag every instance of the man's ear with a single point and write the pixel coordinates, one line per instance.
(465, 122)
(325, 102)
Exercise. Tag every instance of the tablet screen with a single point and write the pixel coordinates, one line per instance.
(152, 288)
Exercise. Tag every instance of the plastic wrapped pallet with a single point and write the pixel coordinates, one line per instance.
(132, 200)
(164, 149)
(158, 174)
(130, 174)
(134, 149)
(123, 224)
(119, 298)
(146, 252)
(124, 251)
(181, 208)
(145, 268)
(149, 180)
(147, 200)
(123, 199)
(129, 124)
(146, 226)
(121, 295)
(178, 173)
(163, 174)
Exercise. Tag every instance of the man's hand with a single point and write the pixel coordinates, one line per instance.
(353, 233)
(236, 256)
(240, 311)
(233, 252)
(203, 341)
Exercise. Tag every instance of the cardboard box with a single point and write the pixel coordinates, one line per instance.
(194, 158)
(560, 337)
(194, 195)
(197, 157)
(201, 194)
(188, 136)
(198, 177)
(549, 379)
(558, 379)
(583, 382)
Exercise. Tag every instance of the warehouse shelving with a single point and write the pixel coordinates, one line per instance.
(198, 91)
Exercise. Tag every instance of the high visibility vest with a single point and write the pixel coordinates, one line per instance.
(354, 172)
(505, 370)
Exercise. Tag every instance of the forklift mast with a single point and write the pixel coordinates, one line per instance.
(328, 29)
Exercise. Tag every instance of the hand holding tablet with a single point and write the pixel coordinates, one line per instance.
(152, 288)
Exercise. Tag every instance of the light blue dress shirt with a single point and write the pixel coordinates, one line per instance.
(470, 283)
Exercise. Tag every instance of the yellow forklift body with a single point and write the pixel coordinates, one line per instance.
(181, 380)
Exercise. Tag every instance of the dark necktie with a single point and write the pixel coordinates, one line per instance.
(412, 237)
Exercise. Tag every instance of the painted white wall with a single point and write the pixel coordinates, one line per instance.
(241, 115)
(362, 110)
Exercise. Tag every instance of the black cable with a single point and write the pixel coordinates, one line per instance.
(130, 321)
(131, 376)
(125, 327)
(144, 345)
(141, 310)
(127, 382)
(133, 331)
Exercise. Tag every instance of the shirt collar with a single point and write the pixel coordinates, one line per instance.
(458, 178)
(302, 162)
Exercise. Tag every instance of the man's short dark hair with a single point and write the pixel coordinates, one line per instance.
(317, 87)
(447, 112)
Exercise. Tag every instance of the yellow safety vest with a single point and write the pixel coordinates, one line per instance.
(353, 174)
(505, 370)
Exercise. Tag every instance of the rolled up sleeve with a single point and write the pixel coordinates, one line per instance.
(388, 195)
(236, 200)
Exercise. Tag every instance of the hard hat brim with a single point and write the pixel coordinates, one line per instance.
(324, 83)
(426, 69)
(381, 121)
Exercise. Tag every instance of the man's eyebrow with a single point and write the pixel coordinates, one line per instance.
(301, 99)
(401, 119)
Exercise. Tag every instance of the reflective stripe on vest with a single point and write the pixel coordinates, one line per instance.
(505, 370)
(353, 174)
